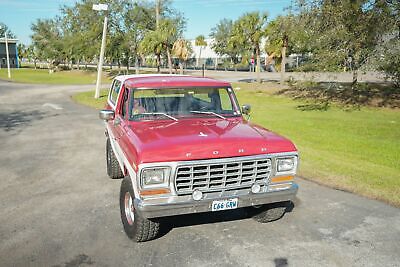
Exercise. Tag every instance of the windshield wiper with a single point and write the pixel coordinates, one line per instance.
(208, 112)
(159, 113)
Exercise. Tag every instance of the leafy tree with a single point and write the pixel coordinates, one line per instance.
(345, 32)
(82, 29)
(162, 40)
(200, 41)
(286, 34)
(152, 45)
(248, 31)
(75, 35)
(388, 54)
(169, 32)
(223, 44)
(137, 21)
(22, 51)
(390, 61)
(32, 54)
(47, 39)
(3, 29)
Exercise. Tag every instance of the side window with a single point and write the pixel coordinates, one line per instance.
(226, 102)
(125, 103)
(114, 91)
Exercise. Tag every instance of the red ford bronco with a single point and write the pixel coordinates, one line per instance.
(182, 145)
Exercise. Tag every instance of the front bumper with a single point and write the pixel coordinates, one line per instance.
(169, 206)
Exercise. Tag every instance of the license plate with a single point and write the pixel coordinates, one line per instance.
(226, 204)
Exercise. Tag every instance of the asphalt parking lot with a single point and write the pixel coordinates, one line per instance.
(58, 208)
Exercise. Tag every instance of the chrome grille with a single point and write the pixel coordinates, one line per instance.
(222, 176)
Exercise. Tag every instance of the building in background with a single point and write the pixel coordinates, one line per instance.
(207, 56)
(12, 50)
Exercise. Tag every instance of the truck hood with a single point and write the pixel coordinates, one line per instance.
(193, 139)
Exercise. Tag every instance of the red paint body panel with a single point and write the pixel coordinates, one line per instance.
(192, 138)
(202, 138)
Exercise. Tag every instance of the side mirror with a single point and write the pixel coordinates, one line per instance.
(246, 109)
(106, 114)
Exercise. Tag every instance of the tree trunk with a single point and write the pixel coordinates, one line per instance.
(169, 61)
(198, 61)
(181, 68)
(355, 79)
(283, 64)
(157, 13)
(258, 65)
(234, 63)
(78, 63)
(158, 63)
(137, 65)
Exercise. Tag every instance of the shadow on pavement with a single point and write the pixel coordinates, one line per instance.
(210, 218)
(12, 120)
(281, 262)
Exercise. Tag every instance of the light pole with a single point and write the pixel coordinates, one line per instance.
(8, 56)
(101, 7)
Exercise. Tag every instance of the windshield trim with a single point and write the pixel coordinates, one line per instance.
(229, 90)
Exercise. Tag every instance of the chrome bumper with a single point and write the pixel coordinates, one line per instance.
(176, 205)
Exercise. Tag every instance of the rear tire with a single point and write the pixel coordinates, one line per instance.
(113, 169)
(136, 227)
(269, 212)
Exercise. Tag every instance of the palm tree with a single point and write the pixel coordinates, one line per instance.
(181, 49)
(248, 31)
(152, 45)
(200, 41)
(278, 32)
(162, 39)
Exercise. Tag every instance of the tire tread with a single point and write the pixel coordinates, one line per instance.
(143, 229)
(113, 169)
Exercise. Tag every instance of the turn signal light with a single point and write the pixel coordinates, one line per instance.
(155, 192)
(282, 179)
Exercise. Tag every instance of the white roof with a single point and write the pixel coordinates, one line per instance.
(208, 52)
(9, 40)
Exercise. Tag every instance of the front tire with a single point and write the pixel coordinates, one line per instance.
(136, 227)
(113, 169)
(268, 213)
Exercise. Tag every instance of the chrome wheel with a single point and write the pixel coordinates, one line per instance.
(129, 208)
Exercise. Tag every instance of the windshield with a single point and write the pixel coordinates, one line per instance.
(150, 104)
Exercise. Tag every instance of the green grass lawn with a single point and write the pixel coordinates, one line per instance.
(42, 76)
(356, 150)
(87, 98)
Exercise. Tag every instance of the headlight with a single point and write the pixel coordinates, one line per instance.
(285, 165)
(155, 177)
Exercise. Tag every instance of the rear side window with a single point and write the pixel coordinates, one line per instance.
(116, 86)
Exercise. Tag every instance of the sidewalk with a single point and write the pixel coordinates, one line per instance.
(233, 76)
